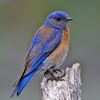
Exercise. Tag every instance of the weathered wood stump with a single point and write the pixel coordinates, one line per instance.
(68, 89)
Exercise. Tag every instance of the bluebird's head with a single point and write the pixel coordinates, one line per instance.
(58, 19)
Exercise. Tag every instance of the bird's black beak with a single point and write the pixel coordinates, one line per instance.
(68, 19)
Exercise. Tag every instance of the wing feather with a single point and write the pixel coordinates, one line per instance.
(42, 46)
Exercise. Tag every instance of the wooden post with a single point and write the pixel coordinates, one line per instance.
(68, 89)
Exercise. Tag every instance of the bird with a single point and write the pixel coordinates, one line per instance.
(49, 48)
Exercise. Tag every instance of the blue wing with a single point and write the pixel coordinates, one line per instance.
(43, 44)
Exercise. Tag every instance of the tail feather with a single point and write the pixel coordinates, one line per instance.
(23, 83)
(25, 79)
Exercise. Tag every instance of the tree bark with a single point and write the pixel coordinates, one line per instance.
(67, 89)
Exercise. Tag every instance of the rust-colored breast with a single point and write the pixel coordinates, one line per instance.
(44, 31)
(61, 51)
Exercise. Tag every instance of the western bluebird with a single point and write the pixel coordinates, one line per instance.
(49, 48)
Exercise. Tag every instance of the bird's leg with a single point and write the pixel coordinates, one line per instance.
(56, 70)
(52, 74)
(63, 74)
(59, 74)
(47, 73)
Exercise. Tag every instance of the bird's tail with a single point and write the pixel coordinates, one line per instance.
(22, 83)
(25, 79)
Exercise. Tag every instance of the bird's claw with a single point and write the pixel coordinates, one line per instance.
(56, 70)
(55, 78)
(54, 75)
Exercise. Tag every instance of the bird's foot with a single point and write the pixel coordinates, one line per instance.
(56, 71)
(47, 73)
(59, 74)
(53, 78)
(56, 74)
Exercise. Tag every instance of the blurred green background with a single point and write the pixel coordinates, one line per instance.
(19, 19)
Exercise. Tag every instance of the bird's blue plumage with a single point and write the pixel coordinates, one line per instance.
(44, 43)
(28, 76)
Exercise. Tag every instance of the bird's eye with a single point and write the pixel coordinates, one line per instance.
(58, 19)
